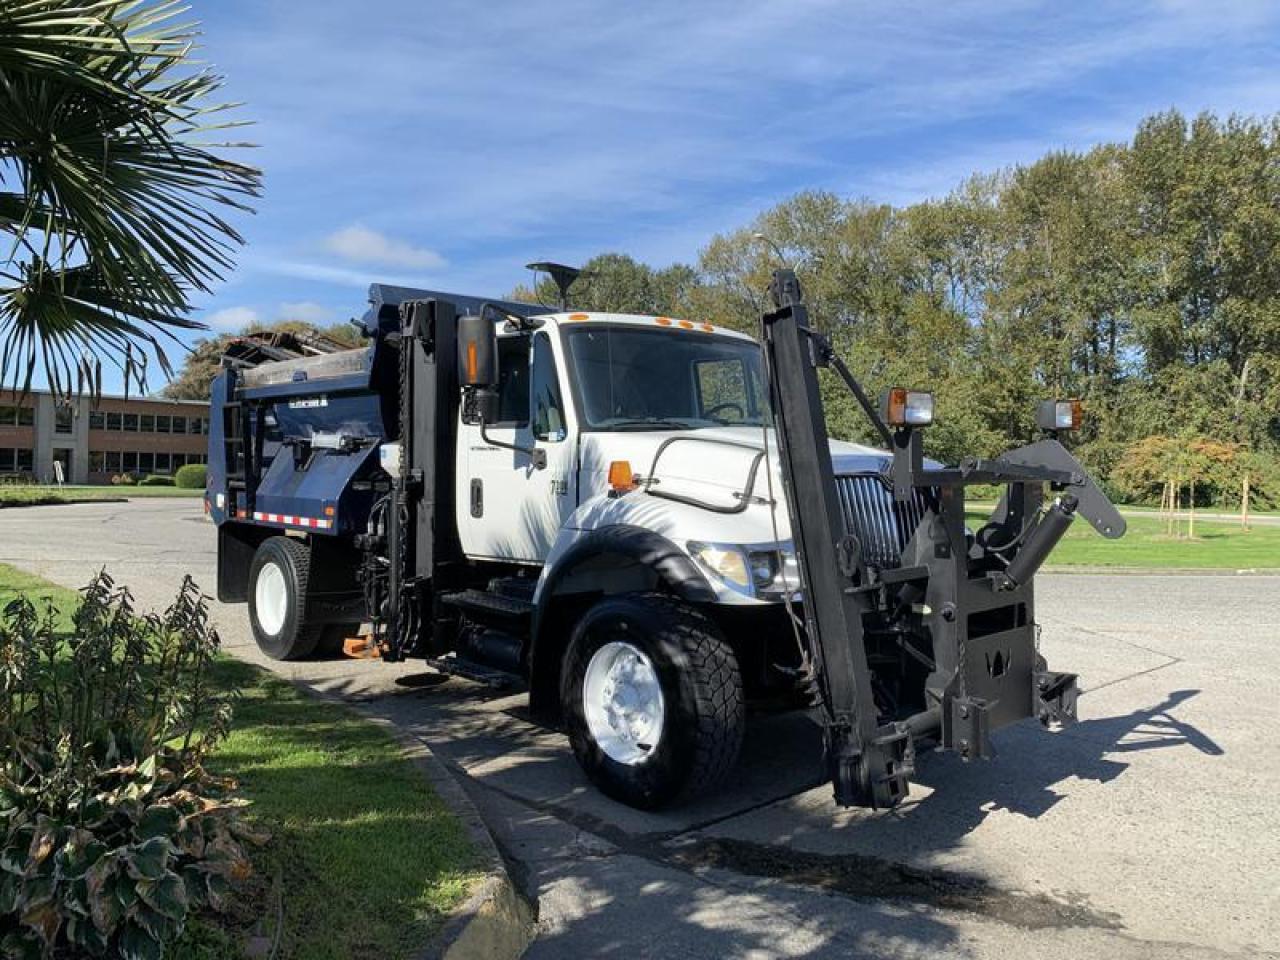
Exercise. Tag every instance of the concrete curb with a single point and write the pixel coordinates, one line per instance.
(496, 922)
(1086, 570)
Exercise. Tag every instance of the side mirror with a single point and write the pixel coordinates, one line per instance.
(477, 351)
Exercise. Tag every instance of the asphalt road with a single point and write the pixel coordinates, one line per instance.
(1150, 829)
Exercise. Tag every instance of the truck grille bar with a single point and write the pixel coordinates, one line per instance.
(881, 524)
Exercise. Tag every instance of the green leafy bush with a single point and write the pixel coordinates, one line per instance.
(111, 830)
(191, 476)
(155, 480)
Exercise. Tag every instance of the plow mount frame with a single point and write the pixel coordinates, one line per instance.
(973, 597)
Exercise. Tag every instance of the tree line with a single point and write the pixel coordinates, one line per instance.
(1143, 278)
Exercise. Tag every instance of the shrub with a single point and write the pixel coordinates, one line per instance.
(191, 476)
(155, 480)
(111, 830)
(124, 480)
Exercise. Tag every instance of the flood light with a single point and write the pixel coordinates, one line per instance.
(907, 408)
(1059, 415)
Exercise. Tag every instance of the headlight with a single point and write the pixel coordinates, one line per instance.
(774, 573)
(764, 572)
(727, 562)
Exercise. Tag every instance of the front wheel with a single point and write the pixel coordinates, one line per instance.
(652, 698)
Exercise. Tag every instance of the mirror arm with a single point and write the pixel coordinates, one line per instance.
(536, 454)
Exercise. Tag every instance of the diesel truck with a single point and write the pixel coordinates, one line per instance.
(642, 521)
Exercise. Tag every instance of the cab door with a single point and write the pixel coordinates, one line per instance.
(507, 509)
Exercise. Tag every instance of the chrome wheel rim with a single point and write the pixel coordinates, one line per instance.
(271, 598)
(623, 703)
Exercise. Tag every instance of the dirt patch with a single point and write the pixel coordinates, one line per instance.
(871, 878)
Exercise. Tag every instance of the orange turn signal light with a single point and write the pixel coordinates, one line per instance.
(621, 477)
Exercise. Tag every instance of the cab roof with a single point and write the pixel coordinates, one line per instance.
(674, 324)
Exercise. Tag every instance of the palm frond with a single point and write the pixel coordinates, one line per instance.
(117, 211)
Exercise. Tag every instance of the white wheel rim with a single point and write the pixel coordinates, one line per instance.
(271, 597)
(622, 700)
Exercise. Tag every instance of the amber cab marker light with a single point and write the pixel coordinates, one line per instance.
(621, 478)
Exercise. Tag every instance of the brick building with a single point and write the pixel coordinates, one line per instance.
(95, 442)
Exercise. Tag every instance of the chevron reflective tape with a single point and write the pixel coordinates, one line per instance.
(311, 523)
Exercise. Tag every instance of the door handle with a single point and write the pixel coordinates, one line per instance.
(477, 497)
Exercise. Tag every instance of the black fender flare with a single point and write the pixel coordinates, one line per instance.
(629, 545)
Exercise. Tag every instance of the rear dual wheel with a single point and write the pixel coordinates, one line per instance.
(278, 583)
(652, 698)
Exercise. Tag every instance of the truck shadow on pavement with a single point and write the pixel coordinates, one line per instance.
(776, 821)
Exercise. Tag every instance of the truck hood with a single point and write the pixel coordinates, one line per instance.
(713, 462)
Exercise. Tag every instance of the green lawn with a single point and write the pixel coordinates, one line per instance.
(30, 495)
(1217, 545)
(364, 858)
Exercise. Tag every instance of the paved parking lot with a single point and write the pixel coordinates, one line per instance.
(1150, 829)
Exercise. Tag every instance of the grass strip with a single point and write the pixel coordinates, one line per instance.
(365, 860)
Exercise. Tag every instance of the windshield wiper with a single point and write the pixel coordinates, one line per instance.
(647, 422)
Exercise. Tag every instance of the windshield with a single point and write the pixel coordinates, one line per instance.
(636, 379)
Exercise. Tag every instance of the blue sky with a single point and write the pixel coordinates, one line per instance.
(445, 144)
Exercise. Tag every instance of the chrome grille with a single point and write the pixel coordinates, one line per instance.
(881, 524)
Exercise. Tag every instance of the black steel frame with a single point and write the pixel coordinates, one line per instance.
(974, 601)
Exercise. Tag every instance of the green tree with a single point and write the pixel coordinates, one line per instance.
(113, 204)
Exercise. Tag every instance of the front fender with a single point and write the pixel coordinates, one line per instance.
(618, 558)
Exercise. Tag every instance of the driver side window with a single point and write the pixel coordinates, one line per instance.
(513, 381)
(548, 410)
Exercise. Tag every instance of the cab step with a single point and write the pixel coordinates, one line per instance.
(455, 666)
(491, 608)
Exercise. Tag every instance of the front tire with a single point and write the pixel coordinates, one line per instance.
(652, 698)
(278, 582)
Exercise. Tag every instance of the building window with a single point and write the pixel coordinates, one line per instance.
(19, 416)
(129, 462)
(97, 420)
(113, 421)
(113, 461)
(147, 423)
(26, 461)
(131, 422)
(163, 423)
(146, 463)
(8, 459)
(97, 461)
(64, 418)
(179, 424)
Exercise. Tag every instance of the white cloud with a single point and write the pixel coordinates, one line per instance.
(359, 244)
(308, 311)
(232, 318)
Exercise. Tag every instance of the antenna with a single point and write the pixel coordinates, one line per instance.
(561, 276)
